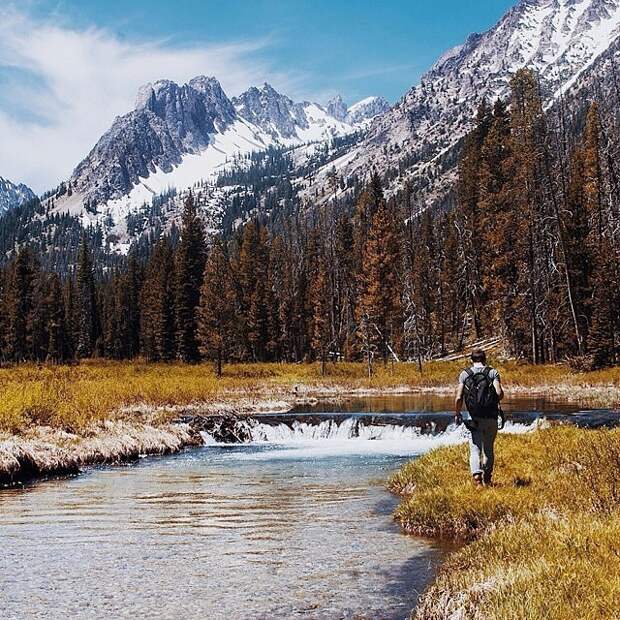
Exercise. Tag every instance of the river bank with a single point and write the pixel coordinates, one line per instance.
(56, 419)
(542, 543)
(39, 452)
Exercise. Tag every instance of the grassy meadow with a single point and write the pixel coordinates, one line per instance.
(72, 397)
(543, 543)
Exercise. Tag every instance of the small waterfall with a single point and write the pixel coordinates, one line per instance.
(298, 431)
(351, 428)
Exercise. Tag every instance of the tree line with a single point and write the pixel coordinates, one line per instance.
(529, 254)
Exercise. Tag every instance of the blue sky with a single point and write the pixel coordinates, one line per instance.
(67, 67)
(358, 47)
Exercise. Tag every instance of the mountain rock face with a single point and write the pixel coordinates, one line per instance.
(274, 113)
(366, 109)
(560, 39)
(285, 121)
(167, 122)
(337, 108)
(13, 195)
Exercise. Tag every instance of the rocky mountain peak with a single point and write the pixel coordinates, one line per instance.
(13, 194)
(337, 108)
(273, 112)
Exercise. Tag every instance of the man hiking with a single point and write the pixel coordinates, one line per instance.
(481, 389)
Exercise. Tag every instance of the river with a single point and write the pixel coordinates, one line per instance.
(295, 524)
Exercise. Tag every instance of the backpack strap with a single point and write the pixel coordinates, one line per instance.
(470, 373)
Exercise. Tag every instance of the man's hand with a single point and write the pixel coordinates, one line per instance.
(458, 418)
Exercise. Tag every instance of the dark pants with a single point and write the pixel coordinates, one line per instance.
(481, 444)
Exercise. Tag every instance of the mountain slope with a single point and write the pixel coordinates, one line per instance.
(12, 195)
(187, 131)
(183, 136)
(560, 39)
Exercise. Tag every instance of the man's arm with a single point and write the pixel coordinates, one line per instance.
(497, 384)
(458, 402)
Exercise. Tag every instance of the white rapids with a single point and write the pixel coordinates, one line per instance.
(351, 436)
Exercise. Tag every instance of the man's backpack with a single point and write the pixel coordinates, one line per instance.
(480, 396)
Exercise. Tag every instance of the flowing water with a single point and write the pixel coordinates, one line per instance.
(295, 524)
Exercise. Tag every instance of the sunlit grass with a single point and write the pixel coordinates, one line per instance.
(543, 542)
(73, 396)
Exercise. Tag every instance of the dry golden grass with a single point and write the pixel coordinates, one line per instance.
(544, 541)
(72, 397)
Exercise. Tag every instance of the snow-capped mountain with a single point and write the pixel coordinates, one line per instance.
(560, 39)
(12, 195)
(359, 113)
(178, 136)
(285, 121)
(187, 136)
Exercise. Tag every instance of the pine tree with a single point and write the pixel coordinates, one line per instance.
(19, 304)
(157, 324)
(379, 314)
(216, 309)
(190, 261)
(86, 313)
(70, 318)
(321, 310)
(528, 135)
(38, 320)
(467, 219)
(345, 286)
(133, 284)
(252, 272)
(604, 259)
(58, 348)
(579, 258)
(603, 337)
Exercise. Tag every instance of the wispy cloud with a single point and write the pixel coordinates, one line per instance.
(61, 87)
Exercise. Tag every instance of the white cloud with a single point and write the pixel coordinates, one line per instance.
(62, 87)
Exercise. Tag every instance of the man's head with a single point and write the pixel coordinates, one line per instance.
(478, 356)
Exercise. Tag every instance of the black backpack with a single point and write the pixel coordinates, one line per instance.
(480, 395)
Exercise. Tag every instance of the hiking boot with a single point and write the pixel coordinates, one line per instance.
(487, 479)
(478, 480)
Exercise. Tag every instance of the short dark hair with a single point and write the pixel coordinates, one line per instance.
(478, 355)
